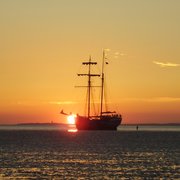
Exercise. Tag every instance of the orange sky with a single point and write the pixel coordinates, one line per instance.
(42, 44)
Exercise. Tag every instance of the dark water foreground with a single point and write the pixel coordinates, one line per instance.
(89, 155)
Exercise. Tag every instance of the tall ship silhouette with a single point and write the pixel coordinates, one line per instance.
(105, 120)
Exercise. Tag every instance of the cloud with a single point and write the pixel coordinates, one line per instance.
(122, 54)
(107, 50)
(164, 99)
(155, 99)
(62, 102)
(167, 64)
(117, 54)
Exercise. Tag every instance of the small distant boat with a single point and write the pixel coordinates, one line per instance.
(105, 120)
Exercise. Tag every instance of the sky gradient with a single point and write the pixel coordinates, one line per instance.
(42, 44)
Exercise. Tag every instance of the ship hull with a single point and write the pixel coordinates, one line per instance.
(103, 123)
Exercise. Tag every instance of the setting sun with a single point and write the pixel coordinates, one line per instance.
(71, 119)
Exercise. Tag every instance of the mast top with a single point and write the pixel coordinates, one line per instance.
(89, 63)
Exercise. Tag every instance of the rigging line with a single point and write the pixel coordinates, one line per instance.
(99, 100)
(85, 107)
(108, 92)
(93, 102)
(105, 96)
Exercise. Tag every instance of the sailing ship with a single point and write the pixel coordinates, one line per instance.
(105, 120)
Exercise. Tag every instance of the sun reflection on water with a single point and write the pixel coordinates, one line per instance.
(72, 130)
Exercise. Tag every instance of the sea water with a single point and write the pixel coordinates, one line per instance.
(59, 154)
(64, 127)
(149, 128)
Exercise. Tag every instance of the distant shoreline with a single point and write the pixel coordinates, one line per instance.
(153, 124)
(35, 124)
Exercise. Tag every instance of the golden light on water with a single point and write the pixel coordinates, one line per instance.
(72, 130)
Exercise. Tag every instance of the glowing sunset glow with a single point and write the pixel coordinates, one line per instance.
(42, 45)
(71, 119)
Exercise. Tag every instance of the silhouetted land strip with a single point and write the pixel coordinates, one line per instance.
(40, 124)
(153, 124)
(35, 124)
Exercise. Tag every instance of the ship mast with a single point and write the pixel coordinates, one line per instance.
(89, 63)
(102, 84)
(89, 87)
